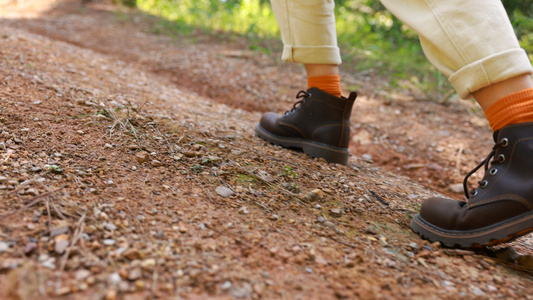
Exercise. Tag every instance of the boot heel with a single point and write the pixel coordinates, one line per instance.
(318, 150)
(330, 154)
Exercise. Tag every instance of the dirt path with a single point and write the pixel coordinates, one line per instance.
(129, 170)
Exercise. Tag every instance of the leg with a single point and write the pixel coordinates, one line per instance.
(473, 43)
(321, 69)
(324, 77)
(308, 31)
(318, 124)
(309, 37)
(489, 95)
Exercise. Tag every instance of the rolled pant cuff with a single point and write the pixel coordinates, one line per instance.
(312, 54)
(490, 70)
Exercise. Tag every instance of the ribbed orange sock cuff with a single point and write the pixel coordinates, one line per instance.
(330, 84)
(512, 109)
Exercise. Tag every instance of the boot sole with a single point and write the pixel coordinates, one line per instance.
(314, 149)
(502, 232)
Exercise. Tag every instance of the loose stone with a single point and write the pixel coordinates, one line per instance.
(109, 242)
(224, 191)
(3, 247)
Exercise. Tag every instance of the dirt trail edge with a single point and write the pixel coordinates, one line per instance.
(129, 170)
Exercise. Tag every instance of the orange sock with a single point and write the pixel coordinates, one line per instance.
(330, 84)
(512, 109)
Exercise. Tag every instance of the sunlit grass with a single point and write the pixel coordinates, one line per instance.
(249, 17)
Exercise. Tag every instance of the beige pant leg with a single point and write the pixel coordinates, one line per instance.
(308, 31)
(470, 41)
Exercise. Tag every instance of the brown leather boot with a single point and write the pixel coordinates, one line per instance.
(499, 209)
(318, 124)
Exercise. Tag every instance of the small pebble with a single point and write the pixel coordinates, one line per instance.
(226, 285)
(30, 248)
(58, 231)
(224, 191)
(336, 212)
(142, 157)
(110, 227)
(329, 224)
(64, 291)
(135, 273)
(3, 247)
(111, 295)
(82, 274)
(48, 264)
(43, 257)
(148, 264)
(367, 157)
(456, 188)
(139, 285)
(115, 278)
(32, 192)
(477, 291)
(61, 246)
(131, 254)
(491, 288)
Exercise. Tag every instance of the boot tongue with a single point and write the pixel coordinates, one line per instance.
(352, 96)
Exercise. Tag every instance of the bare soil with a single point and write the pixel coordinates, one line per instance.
(129, 169)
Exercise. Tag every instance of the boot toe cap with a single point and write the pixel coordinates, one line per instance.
(442, 212)
(268, 121)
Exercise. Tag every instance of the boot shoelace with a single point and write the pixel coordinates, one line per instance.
(301, 95)
(483, 183)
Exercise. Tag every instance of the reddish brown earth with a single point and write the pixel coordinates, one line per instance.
(117, 146)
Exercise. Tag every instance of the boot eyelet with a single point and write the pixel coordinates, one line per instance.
(309, 95)
(501, 158)
(505, 142)
(473, 193)
(493, 171)
(484, 184)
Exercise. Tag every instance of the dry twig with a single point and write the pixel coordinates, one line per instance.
(35, 200)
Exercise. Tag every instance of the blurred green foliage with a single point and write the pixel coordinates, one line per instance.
(371, 39)
(248, 17)
(521, 14)
(128, 3)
